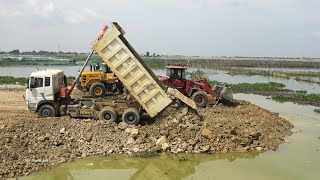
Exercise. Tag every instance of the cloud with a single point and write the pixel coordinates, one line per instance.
(10, 13)
(82, 16)
(316, 34)
(41, 8)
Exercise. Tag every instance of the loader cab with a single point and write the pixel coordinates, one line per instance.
(177, 77)
(176, 72)
(105, 68)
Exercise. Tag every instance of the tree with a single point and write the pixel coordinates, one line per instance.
(16, 51)
(148, 54)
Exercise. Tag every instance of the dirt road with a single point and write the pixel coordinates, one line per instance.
(29, 144)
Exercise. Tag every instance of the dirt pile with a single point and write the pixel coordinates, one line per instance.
(29, 144)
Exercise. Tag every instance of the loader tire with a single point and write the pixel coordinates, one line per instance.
(46, 110)
(131, 116)
(108, 114)
(201, 99)
(97, 90)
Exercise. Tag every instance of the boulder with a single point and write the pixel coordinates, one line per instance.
(206, 133)
(161, 140)
(62, 130)
(122, 125)
(164, 146)
(130, 140)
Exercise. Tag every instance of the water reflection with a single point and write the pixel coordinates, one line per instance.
(167, 166)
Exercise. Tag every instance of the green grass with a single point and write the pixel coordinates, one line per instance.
(194, 74)
(317, 110)
(298, 97)
(12, 80)
(70, 80)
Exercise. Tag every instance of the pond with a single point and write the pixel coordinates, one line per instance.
(298, 158)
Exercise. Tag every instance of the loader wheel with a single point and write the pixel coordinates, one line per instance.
(131, 116)
(108, 114)
(46, 110)
(200, 98)
(97, 90)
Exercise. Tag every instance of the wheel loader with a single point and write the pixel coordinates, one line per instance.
(98, 83)
(199, 89)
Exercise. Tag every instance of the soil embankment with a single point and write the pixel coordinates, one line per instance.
(29, 144)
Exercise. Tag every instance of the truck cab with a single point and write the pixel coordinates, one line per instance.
(43, 91)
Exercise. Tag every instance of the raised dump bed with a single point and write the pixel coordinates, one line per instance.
(135, 75)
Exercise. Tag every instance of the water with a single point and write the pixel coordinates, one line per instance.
(297, 159)
(25, 71)
(287, 69)
(224, 76)
(217, 75)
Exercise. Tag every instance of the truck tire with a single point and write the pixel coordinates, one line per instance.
(131, 116)
(108, 114)
(97, 90)
(200, 98)
(46, 110)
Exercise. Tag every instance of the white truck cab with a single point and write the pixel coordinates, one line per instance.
(43, 91)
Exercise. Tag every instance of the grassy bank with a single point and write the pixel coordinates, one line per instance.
(12, 80)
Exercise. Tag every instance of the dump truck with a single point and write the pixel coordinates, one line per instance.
(48, 95)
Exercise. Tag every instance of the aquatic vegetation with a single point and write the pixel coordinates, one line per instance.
(271, 86)
(317, 110)
(298, 97)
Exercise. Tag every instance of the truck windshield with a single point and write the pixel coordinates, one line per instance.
(36, 82)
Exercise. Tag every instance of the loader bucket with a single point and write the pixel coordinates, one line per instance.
(224, 93)
(177, 94)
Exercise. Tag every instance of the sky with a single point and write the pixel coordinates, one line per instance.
(168, 27)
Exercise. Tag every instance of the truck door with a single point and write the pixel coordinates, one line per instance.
(36, 91)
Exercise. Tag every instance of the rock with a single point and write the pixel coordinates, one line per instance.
(130, 140)
(205, 148)
(42, 138)
(156, 148)
(164, 146)
(161, 140)
(134, 132)
(127, 130)
(122, 125)
(135, 149)
(234, 132)
(206, 133)
(175, 121)
(140, 140)
(172, 136)
(62, 130)
(185, 111)
(247, 142)
(259, 148)
(255, 135)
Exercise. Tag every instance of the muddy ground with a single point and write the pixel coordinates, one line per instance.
(29, 144)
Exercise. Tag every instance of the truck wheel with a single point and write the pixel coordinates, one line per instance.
(108, 114)
(200, 98)
(46, 111)
(131, 116)
(97, 90)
